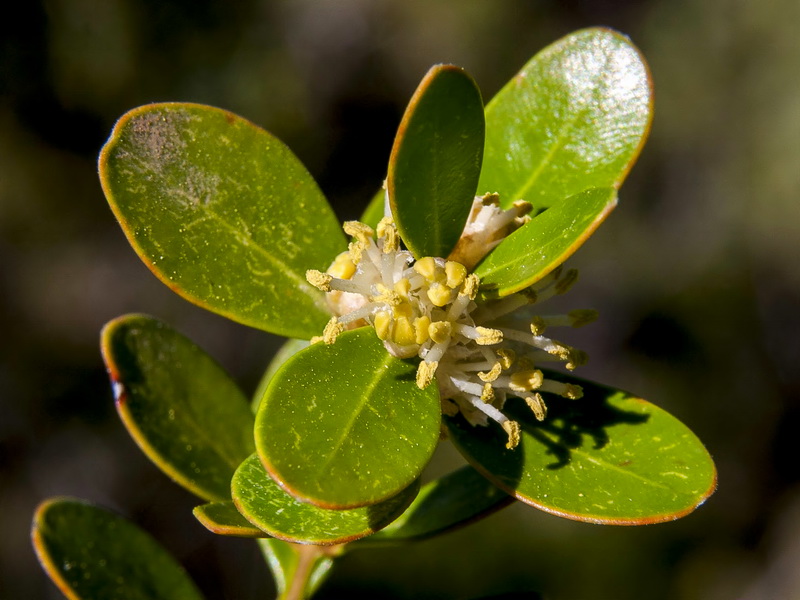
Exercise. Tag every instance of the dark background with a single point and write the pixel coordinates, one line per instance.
(694, 274)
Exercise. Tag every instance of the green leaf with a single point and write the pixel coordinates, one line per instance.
(91, 554)
(442, 505)
(436, 161)
(222, 518)
(576, 116)
(375, 209)
(344, 425)
(284, 560)
(262, 501)
(537, 248)
(223, 213)
(178, 404)
(286, 351)
(609, 458)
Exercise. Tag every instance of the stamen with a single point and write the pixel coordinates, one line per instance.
(537, 405)
(471, 283)
(320, 280)
(565, 390)
(526, 381)
(567, 281)
(332, 330)
(512, 429)
(363, 233)
(488, 337)
(493, 373)
(426, 267)
(455, 272)
(388, 232)
(342, 267)
(425, 373)
(440, 331)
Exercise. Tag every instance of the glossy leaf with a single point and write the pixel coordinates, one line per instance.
(537, 248)
(223, 213)
(286, 351)
(442, 505)
(375, 209)
(436, 161)
(284, 560)
(343, 425)
(609, 458)
(262, 501)
(178, 404)
(223, 518)
(576, 116)
(91, 554)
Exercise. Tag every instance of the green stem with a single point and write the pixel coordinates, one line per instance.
(308, 557)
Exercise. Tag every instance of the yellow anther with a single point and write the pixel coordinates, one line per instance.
(332, 330)
(487, 395)
(425, 373)
(438, 294)
(388, 232)
(315, 340)
(421, 325)
(537, 405)
(512, 429)
(579, 318)
(403, 333)
(567, 281)
(426, 267)
(520, 221)
(491, 199)
(488, 336)
(522, 208)
(356, 251)
(386, 295)
(471, 283)
(342, 266)
(526, 381)
(402, 287)
(320, 280)
(506, 356)
(440, 331)
(538, 325)
(455, 272)
(363, 233)
(575, 358)
(492, 373)
(572, 391)
(383, 324)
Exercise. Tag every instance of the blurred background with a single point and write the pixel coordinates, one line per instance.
(695, 273)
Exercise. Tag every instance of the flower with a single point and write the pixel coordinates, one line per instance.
(479, 351)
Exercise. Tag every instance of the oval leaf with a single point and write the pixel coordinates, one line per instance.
(223, 213)
(91, 554)
(537, 248)
(608, 458)
(436, 161)
(344, 425)
(178, 404)
(223, 518)
(286, 351)
(576, 116)
(452, 501)
(268, 507)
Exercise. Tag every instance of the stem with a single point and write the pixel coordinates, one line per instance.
(307, 558)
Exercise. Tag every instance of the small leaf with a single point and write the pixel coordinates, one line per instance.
(608, 458)
(442, 505)
(178, 404)
(223, 213)
(344, 425)
(268, 507)
(436, 161)
(537, 248)
(286, 351)
(91, 554)
(222, 518)
(576, 116)
(375, 209)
